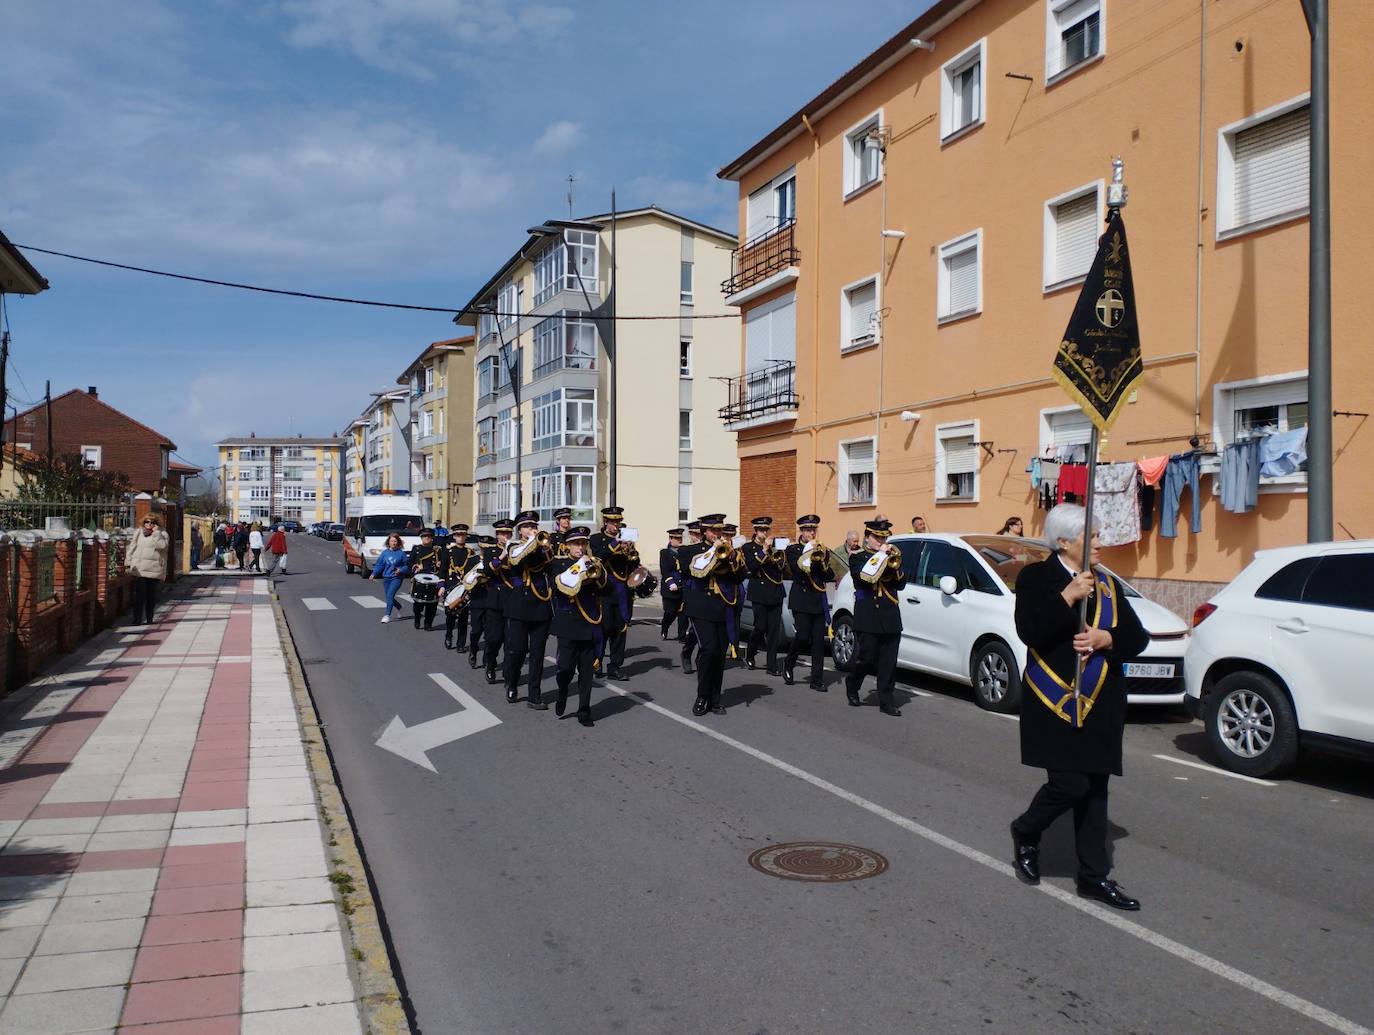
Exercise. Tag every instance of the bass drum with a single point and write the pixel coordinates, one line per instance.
(426, 588)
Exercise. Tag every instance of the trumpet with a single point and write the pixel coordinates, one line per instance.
(810, 551)
(522, 550)
(570, 581)
(882, 566)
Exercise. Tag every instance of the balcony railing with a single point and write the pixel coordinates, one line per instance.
(760, 258)
(769, 389)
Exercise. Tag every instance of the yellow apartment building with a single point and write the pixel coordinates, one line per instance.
(913, 240)
(293, 479)
(440, 381)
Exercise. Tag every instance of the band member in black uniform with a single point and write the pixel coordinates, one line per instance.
(425, 559)
(529, 607)
(766, 571)
(562, 522)
(579, 580)
(498, 590)
(453, 568)
(1074, 737)
(730, 533)
(620, 560)
(809, 570)
(689, 639)
(714, 570)
(877, 572)
(670, 586)
(481, 598)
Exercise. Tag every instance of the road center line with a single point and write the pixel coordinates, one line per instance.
(1177, 949)
(1213, 769)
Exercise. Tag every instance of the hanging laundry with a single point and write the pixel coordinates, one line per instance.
(1152, 470)
(1034, 468)
(1047, 495)
(1239, 476)
(1049, 470)
(1283, 453)
(1073, 483)
(1147, 508)
(1071, 454)
(1116, 503)
(1182, 473)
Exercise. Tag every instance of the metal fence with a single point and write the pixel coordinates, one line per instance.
(97, 514)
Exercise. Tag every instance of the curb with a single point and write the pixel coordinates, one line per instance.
(379, 996)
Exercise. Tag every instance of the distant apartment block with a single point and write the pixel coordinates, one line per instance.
(292, 479)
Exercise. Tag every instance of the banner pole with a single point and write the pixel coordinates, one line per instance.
(1087, 547)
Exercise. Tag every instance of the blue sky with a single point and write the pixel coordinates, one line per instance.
(391, 149)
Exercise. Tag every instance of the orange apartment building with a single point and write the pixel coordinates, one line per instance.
(915, 236)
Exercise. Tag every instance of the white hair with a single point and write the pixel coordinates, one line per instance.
(1065, 522)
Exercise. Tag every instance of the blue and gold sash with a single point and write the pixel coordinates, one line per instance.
(1057, 694)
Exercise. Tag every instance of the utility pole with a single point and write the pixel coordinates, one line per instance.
(1320, 515)
(47, 396)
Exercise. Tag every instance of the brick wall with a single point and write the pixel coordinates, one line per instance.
(79, 419)
(768, 486)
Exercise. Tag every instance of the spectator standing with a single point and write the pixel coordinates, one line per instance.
(146, 559)
(221, 543)
(241, 543)
(197, 544)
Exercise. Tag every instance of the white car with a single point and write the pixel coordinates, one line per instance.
(1280, 658)
(959, 620)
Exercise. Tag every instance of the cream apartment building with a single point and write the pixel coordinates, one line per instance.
(440, 381)
(544, 310)
(271, 479)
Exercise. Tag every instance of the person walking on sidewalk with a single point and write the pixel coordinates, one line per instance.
(392, 565)
(146, 559)
(197, 544)
(241, 544)
(221, 544)
(255, 544)
(276, 551)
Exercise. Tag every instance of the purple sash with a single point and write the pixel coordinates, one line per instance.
(1059, 696)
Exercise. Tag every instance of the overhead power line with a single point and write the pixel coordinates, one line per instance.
(449, 310)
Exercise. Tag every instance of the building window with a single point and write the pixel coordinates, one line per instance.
(857, 470)
(509, 363)
(429, 466)
(771, 206)
(291, 474)
(505, 434)
(565, 417)
(1075, 32)
(256, 453)
(260, 492)
(554, 487)
(1262, 407)
(863, 154)
(561, 341)
(961, 91)
(1063, 427)
(684, 501)
(294, 452)
(486, 440)
(684, 429)
(426, 423)
(960, 277)
(486, 378)
(684, 358)
(551, 268)
(859, 314)
(505, 496)
(508, 303)
(486, 499)
(956, 462)
(1263, 169)
(686, 278)
(90, 457)
(1072, 227)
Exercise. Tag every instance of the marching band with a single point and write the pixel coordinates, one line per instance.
(503, 596)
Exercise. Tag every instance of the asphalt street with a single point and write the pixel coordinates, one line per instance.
(547, 877)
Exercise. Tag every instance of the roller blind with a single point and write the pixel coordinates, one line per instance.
(770, 332)
(1075, 236)
(961, 455)
(1274, 393)
(963, 280)
(1070, 429)
(858, 457)
(863, 307)
(1271, 167)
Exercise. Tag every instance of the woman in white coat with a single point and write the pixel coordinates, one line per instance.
(255, 544)
(145, 559)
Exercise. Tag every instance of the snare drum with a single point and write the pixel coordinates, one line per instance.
(455, 596)
(426, 588)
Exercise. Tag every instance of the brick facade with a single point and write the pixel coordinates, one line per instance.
(768, 486)
(81, 419)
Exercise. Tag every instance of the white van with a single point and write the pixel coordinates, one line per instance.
(369, 519)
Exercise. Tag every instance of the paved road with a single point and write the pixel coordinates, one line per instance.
(549, 877)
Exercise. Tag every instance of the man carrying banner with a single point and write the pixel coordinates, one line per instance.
(1075, 619)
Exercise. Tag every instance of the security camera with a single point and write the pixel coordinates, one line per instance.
(910, 415)
(923, 44)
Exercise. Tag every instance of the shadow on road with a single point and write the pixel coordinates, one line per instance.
(1317, 769)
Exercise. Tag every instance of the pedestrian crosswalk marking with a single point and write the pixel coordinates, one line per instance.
(318, 604)
(369, 601)
(406, 597)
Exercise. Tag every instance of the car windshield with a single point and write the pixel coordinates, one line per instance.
(1007, 555)
(385, 524)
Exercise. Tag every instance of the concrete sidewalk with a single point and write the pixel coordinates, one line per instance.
(164, 865)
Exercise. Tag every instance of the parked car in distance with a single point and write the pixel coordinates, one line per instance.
(291, 526)
(959, 620)
(1279, 659)
(334, 531)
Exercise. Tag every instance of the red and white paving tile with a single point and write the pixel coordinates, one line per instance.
(162, 859)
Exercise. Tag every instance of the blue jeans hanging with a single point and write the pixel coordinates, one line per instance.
(1181, 473)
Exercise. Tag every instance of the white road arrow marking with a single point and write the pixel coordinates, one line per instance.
(414, 742)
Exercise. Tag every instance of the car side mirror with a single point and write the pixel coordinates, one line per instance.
(949, 585)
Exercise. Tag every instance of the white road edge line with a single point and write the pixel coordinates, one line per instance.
(1213, 769)
(1189, 955)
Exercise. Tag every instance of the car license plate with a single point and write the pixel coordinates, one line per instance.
(1142, 670)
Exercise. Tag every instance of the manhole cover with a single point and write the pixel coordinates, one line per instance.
(817, 861)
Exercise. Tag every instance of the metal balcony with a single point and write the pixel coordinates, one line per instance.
(762, 257)
(763, 395)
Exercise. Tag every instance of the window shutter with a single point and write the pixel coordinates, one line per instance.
(770, 332)
(1271, 167)
(1070, 429)
(863, 308)
(859, 457)
(1075, 236)
(963, 280)
(1071, 14)
(759, 214)
(1275, 393)
(961, 455)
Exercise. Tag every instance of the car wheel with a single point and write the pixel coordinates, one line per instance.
(996, 681)
(844, 642)
(1250, 725)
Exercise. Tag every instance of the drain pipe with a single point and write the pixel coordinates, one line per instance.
(1201, 202)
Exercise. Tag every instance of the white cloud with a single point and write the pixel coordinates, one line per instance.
(713, 201)
(558, 138)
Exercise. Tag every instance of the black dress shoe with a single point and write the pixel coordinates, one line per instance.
(699, 706)
(538, 706)
(491, 674)
(462, 648)
(663, 634)
(717, 709)
(820, 688)
(1107, 892)
(853, 700)
(1025, 859)
(616, 674)
(474, 660)
(561, 704)
(687, 667)
(448, 643)
(584, 718)
(890, 709)
(749, 664)
(788, 676)
(512, 696)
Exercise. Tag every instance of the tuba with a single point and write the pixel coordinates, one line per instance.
(525, 549)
